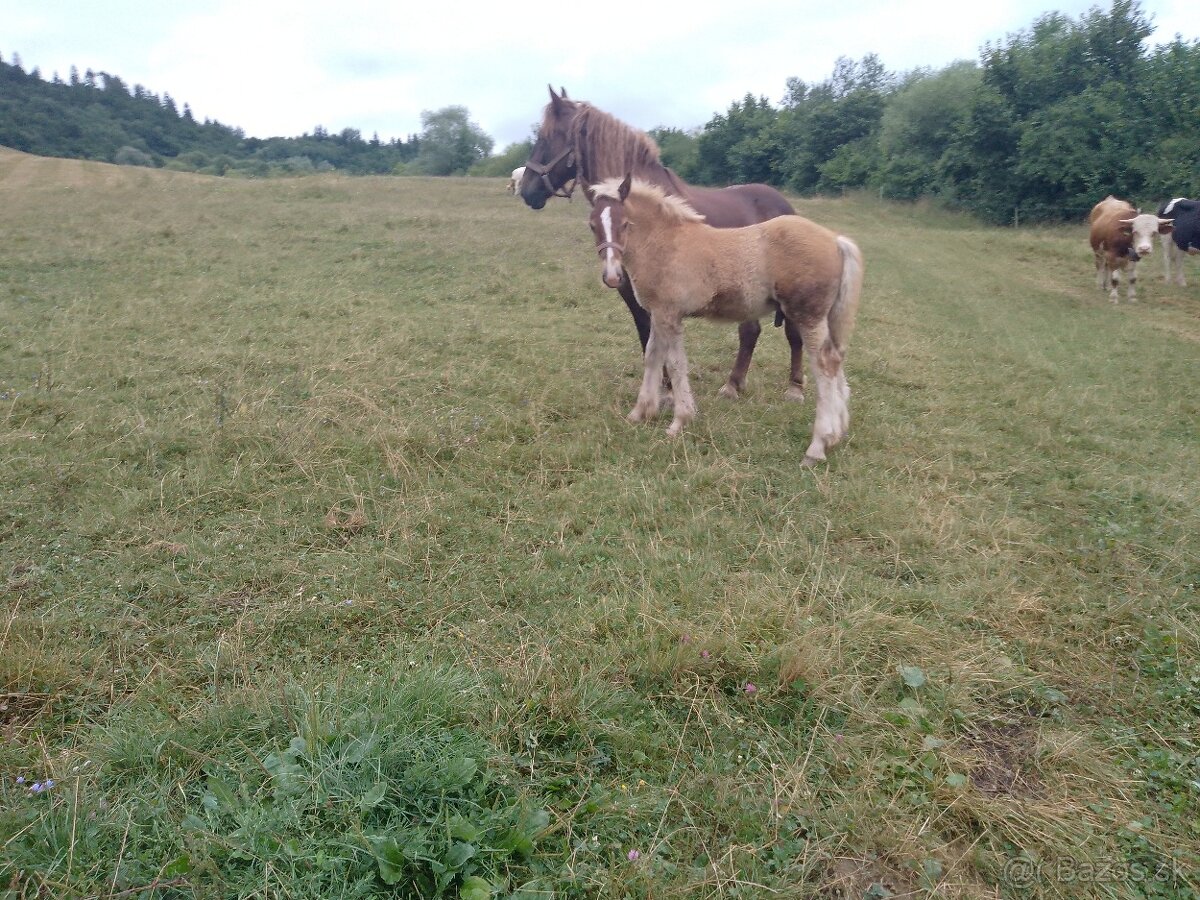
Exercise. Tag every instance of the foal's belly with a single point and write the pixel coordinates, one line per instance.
(735, 305)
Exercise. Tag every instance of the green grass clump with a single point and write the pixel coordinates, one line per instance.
(324, 794)
(332, 568)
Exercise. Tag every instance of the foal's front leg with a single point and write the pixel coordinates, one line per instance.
(653, 359)
(685, 403)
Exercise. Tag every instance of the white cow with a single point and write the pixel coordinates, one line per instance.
(515, 181)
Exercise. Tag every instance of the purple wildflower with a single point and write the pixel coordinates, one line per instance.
(49, 783)
(634, 856)
(750, 688)
(37, 787)
(20, 779)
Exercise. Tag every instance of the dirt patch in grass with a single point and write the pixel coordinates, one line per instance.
(1004, 755)
(852, 878)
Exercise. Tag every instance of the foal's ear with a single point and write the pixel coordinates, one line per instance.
(623, 190)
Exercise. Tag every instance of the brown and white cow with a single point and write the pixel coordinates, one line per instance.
(1120, 237)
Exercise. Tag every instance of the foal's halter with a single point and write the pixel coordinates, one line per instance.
(566, 189)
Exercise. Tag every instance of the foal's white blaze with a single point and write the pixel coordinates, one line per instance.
(612, 271)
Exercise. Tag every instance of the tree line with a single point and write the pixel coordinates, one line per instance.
(98, 116)
(1049, 121)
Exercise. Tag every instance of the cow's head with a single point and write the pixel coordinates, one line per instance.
(1142, 230)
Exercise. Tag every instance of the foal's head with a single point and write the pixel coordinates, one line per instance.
(621, 204)
(609, 225)
(551, 164)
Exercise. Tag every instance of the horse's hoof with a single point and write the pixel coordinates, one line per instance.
(635, 416)
(811, 461)
(729, 392)
(674, 429)
(794, 393)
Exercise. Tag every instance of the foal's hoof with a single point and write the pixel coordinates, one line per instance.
(729, 391)
(675, 429)
(811, 461)
(794, 393)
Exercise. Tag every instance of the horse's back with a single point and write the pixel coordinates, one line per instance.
(794, 242)
(739, 205)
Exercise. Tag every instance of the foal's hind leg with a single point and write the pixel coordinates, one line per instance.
(795, 389)
(833, 412)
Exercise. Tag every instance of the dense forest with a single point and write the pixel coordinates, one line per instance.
(1045, 123)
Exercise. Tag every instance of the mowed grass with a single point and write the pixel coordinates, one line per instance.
(332, 568)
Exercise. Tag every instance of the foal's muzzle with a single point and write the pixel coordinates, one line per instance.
(612, 272)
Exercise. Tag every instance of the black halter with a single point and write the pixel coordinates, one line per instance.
(543, 170)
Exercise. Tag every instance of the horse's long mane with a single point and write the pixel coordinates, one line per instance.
(606, 146)
(673, 207)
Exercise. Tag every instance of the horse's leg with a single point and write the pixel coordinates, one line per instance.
(795, 389)
(685, 403)
(641, 318)
(748, 333)
(832, 413)
(652, 367)
(641, 321)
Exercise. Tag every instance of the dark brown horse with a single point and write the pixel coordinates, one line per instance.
(578, 143)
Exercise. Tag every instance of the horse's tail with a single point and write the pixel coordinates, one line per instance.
(845, 304)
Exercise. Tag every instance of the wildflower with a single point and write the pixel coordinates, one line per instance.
(704, 654)
(49, 783)
(37, 787)
(20, 779)
(750, 688)
(634, 856)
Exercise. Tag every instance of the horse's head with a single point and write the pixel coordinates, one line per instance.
(551, 164)
(609, 225)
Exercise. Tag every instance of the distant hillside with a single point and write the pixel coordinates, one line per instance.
(99, 117)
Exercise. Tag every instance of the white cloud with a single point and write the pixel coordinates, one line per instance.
(285, 66)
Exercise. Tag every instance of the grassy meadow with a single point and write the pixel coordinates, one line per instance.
(331, 567)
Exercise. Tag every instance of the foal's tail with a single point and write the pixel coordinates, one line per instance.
(845, 304)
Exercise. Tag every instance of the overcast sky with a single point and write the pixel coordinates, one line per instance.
(282, 67)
